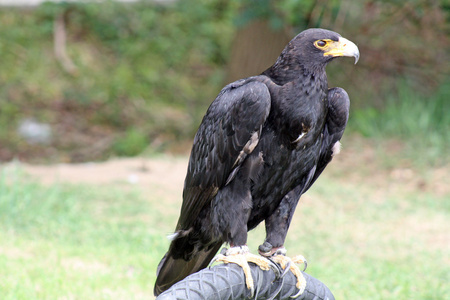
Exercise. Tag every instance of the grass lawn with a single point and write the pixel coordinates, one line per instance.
(368, 234)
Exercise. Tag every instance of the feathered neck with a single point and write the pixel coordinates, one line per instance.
(290, 67)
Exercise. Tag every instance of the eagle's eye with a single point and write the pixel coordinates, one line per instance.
(320, 43)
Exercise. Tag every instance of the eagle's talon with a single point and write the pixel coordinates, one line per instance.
(216, 258)
(284, 270)
(242, 257)
(300, 259)
(279, 272)
(288, 264)
(300, 291)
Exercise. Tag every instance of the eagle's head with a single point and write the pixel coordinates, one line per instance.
(313, 48)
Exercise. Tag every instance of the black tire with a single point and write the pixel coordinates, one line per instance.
(227, 281)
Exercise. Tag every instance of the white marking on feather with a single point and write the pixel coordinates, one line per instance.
(299, 137)
(305, 130)
(336, 148)
(254, 139)
(172, 236)
(248, 148)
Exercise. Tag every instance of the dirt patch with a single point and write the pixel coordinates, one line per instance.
(363, 161)
(15, 253)
(358, 162)
(165, 172)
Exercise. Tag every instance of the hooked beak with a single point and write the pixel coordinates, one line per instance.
(343, 47)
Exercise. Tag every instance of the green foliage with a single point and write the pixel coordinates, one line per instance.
(146, 72)
(396, 40)
(133, 143)
(130, 60)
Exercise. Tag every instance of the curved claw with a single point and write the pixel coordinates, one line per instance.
(300, 291)
(285, 265)
(300, 259)
(241, 256)
(276, 260)
(288, 264)
(279, 272)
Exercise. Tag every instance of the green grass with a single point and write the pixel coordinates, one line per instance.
(377, 247)
(422, 122)
(364, 239)
(75, 242)
(367, 245)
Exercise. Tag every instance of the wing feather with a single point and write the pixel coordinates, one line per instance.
(229, 131)
(336, 121)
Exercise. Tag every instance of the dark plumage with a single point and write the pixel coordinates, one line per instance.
(262, 143)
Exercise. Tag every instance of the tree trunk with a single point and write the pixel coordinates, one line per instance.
(255, 48)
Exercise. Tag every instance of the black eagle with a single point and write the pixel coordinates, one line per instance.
(262, 143)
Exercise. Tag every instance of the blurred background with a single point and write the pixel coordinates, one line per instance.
(99, 103)
(88, 80)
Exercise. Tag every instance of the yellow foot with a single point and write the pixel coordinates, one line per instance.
(241, 256)
(286, 262)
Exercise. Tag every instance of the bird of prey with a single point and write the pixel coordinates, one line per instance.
(261, 144)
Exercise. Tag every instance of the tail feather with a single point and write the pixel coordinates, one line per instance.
(171, 270)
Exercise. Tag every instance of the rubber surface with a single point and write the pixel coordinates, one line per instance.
(226, 281)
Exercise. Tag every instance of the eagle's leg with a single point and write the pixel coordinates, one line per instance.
(277, 226)
(241, 256)
(233, 225)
